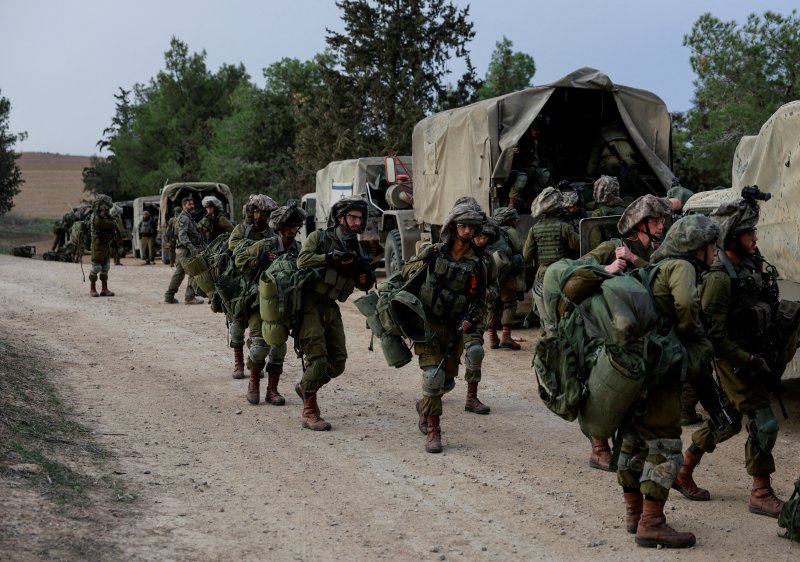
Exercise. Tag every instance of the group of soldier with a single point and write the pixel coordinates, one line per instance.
(709, 276)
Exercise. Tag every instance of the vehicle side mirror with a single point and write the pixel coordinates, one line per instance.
(391, 170)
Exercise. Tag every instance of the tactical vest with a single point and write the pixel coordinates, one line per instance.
(550, 244)
(195, 236)
(101, 234)
(333, 283)
(147, 228)
(750, 316)
(450, 286)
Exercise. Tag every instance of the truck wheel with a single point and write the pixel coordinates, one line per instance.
(393, 257)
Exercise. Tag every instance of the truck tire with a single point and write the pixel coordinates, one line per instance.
(393, 256)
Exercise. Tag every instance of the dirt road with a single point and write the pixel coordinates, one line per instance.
(219, 479)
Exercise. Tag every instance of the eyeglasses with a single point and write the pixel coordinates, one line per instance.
(355, 217)
(659, 220)
(462, 225)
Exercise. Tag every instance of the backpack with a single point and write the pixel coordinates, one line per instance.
(280, 291)
(789, 517)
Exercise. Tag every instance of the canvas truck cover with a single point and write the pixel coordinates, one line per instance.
(347, 177)
(771, 160)
(170, 197)
(464, 151)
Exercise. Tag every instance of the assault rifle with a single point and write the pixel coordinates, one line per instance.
(712, 398)
(625, 170)
(361, 264)
(468, 316)
(771, 293)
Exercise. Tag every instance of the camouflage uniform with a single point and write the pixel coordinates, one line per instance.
(606, 197)
(117, 246)
(527, 167)
(59, 235)
(549, 240)
(450, 287)
(170, 239)
(321, 336)
(507, 256)
(613, 155)
(190, 242)
(216, 223)
(651, 448)
(104, 229)
(147, 235)
(729, 293)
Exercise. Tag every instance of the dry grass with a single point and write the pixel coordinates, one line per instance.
(53, 183)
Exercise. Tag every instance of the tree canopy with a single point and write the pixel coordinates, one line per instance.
(744, 74)
(10, 174)
(508, 71)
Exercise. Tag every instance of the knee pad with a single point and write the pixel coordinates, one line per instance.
(432, 381)
(318, 369)
(521, 181)
(236, 333)
(664, 473)
(448, 385)
(258, 350)
(473, 356)
(766, 429)
(277, 354)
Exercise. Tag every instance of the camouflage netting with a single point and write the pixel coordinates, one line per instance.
(549, 202)
(288, 215)
(491, 230)
(462, 213)
(734, 218)
(680, 193)
(642, 208)
(570, 198)
(260, 202)
(606, 192)
(687, 235)
(504, 215)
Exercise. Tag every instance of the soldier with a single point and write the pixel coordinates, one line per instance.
(613, 155)
(59, 235)
(528, 167)
(473, 341)
(214, 222)
(147, 235)
(572, 212)
(259, 247)
(548, 241)
(733, 289)
(337, 254)
(104, 229)
(608, 203)
(189, 242)
(643, 223)
(650, 455)
(453, 296)
(117, 248)
(170, 239)
(507, 253)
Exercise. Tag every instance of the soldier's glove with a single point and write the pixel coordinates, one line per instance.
(758, 366)
(337, 257)
(266, 258)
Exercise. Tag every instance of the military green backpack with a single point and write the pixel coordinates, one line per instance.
(789, 517)
(280, 291)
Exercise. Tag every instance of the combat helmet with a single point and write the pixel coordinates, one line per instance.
(211, 201)
(259, 201)
(288, 215)
(646, 206)
(687, 235)
(465, 212)
(503, 216)
(606, 191)
(571, 199)
(549, 202)
(345, 204)
(734, 218)
(680, 193)
(102, 202)
(491, 230)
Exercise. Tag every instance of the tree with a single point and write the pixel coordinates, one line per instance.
(10, 174)
(508, 71)
(388, 71)
(744, 74)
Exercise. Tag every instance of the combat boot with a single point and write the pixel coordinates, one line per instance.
(117, 262)
(763, 500)
(238, 362)
(507, 341)
(193, 300)
(684, 482)
(653, 531)
(93, 289)
(422, 424)
(473, 404)
(170, 298)
(633, 510)
(273, 396)
(105, 292)
(253, 390)
(434, 442)
(311, 414)
(494, 341)
(601, 454)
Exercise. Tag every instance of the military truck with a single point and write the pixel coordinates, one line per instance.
(469, 151)
(387, 185)
(172, 195)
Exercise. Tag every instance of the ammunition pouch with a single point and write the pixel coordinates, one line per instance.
(334, 285)
(395, 351)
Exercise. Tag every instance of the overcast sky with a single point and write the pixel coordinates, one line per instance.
(61, 62)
